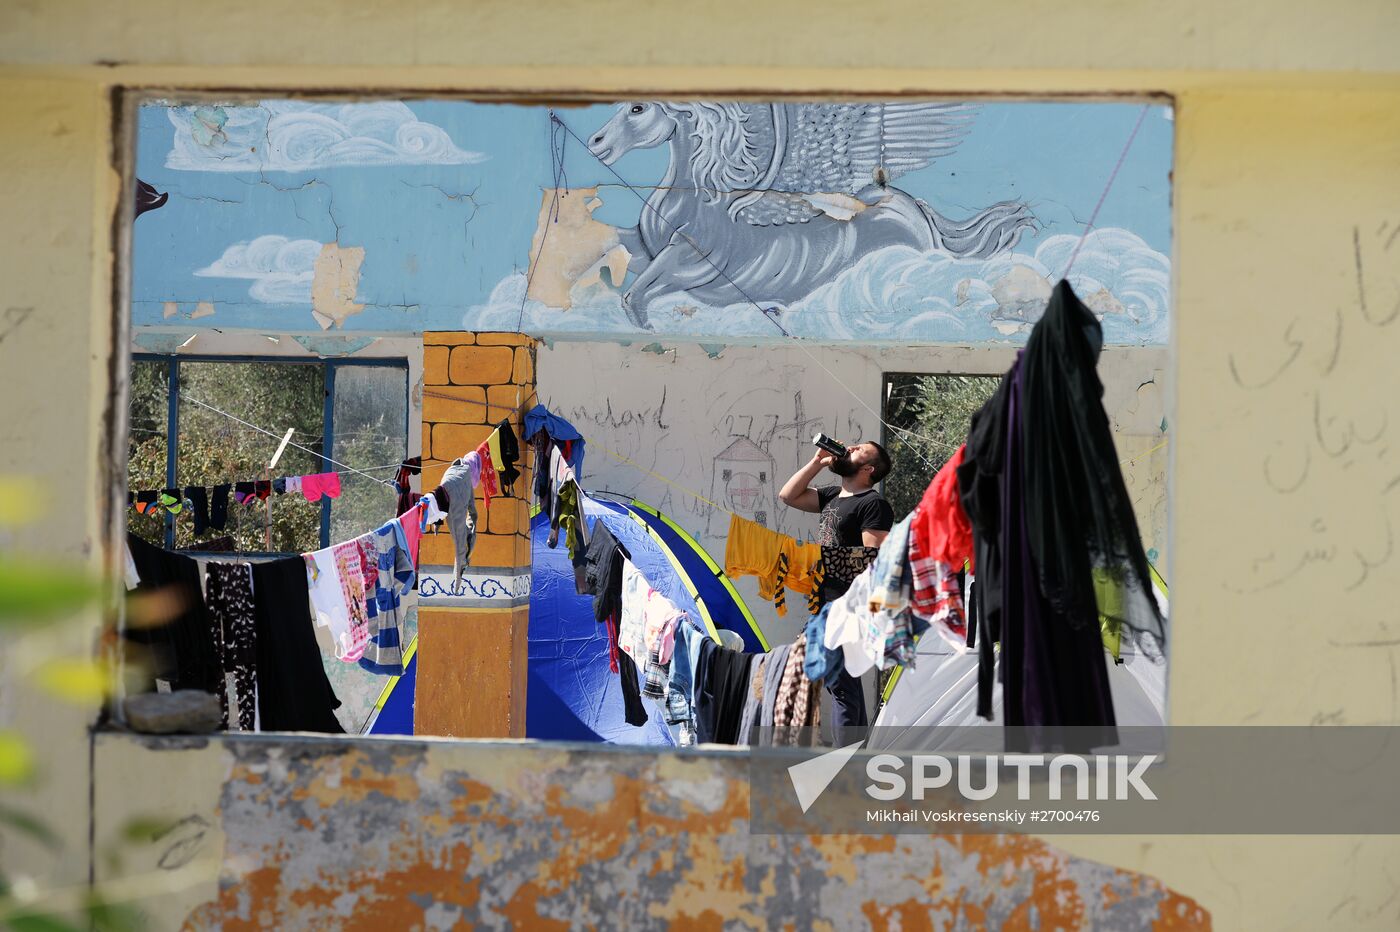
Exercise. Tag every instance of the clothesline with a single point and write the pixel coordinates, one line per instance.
(290, 443)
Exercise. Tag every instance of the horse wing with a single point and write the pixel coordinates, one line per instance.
(835, 149)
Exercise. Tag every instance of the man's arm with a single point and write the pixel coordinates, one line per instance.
(876, 523)
(798, 492)
(873, 538)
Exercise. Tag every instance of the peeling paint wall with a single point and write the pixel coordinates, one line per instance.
(427, 835)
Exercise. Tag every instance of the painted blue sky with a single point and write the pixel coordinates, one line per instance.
(440, 237)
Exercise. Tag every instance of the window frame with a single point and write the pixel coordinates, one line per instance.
(330, 366)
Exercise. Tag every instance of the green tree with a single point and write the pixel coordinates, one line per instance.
(930, 416)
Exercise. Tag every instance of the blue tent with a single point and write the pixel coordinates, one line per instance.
(572, 695)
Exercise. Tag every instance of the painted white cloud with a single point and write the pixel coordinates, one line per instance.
(281, 269)
(894, 295)
(296, 136)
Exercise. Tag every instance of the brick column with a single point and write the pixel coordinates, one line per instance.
(472, 649)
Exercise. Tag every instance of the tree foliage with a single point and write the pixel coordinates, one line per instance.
(931, 415)
(369, 430)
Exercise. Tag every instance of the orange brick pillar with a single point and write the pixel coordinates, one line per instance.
(472, 648)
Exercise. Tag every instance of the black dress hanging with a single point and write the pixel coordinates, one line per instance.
(293, 691)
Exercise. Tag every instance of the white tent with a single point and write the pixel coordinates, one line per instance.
(932, 705)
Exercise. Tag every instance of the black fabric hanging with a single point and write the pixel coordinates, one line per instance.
(633, 709)
(980, 489)
(723, 686)
(510, 455)
(1079, 516)
(181, 651)
(294, 693)
(1054, 673)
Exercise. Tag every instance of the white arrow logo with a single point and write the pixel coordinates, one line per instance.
(811, 777)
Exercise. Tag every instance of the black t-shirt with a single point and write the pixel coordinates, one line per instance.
(841, 523)
(844, 517)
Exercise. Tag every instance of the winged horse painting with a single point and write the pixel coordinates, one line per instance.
(767, 202)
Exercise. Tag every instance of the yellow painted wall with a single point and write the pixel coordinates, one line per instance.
(1288, 166)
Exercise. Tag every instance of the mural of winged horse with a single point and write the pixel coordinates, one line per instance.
(778, 199)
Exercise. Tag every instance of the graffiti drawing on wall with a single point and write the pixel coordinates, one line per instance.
(710, 221)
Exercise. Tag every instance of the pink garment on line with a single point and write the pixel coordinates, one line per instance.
(412, 523)
(322, 483)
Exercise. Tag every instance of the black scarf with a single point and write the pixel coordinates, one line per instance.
(1079, 517)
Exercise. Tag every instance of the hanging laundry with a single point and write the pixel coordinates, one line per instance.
(412, 522)
(335, 577)
(384, 651)
(489, 486)
(936, 597)
(1110, 591)
(684, 657)
(779, 561)
(294, 485)
(720, 694)
(369, 578)
(147, 501)
(821, 661)
(293, 691)
(751, 549)
(568, 516)
(773, 670)
(505, 453)
(229, 589)
(634, 712)
(603, 571)
(218, 506)
(753, 702)
(198, 497)
(172, 501)
(647, 629)
(459, 488)
(980, 487)
(796, 705)
(856, 630)
(889, 589)
(244, 492)
(539, 419)
(179, 653)
(262, 488)
(940, 522)
(542, 484)
(403, 483)
(323, 483)
(1078, 513)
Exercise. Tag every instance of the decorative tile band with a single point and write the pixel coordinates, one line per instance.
(484, 586)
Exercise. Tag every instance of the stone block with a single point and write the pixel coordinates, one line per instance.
(453, 440)
(448, 338)
(504, 339)
(502, 400)
(455, 404)
(435, 365)
(481, 365)
(524, 373)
